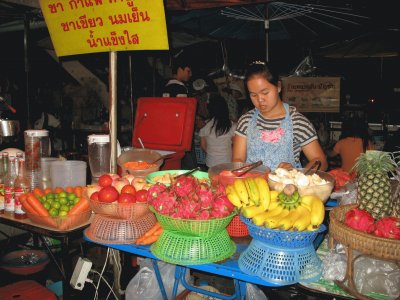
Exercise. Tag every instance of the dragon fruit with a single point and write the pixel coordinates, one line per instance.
(359, 219)
(203, 215)
(154, 191)
(222, 207)
(206, 198)
(186, 209)
(185, 185)
(165, 202)
(388, 227)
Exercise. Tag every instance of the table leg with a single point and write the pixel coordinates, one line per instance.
(240, 289)
(159, 279)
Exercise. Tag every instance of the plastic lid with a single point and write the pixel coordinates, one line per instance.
(37, 133)
(98, 138)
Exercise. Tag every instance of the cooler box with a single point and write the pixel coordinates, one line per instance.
(165, 124)
(26, 290)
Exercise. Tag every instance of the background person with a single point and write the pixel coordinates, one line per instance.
(353, 141)
(216, 136)
(176, 86)
(273, 131)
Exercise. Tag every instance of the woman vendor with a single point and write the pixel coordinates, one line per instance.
(273, 131)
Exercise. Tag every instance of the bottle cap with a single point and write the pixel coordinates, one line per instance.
(37, 133)
(98, 138)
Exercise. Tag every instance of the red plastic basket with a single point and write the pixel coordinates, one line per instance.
(236, 228)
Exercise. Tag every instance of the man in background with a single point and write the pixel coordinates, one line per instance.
(176, 86)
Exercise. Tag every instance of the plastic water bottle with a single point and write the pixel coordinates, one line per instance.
(99, 150)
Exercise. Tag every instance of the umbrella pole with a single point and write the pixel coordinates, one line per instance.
(113, 110)
(266, 27)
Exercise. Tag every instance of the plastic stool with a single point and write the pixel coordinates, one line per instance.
(26, 290)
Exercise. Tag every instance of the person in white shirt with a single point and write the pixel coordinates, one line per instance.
(216, 136)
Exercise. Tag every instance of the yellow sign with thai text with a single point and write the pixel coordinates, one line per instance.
(88, 26)
(312, 94)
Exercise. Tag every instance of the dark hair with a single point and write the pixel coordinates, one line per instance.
(219, 114)
(180, 62)
(259, 68)
(356, 128)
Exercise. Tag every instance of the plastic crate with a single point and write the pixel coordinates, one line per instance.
(26, 290)
(280, 265)
(200, 156)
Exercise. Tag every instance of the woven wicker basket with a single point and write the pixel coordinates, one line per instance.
(368, 244)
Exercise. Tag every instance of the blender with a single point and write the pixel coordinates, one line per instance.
(99, 152)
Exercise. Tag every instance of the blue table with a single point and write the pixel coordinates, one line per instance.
(227, 268)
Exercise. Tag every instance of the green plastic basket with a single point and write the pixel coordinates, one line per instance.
(180, 249)
(197, 228)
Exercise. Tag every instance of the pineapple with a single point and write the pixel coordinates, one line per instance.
(374, 188)
(396, 196)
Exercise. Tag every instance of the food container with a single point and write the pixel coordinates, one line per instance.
(68, 173)
(321, 191)
(139, 155)
(128, 211)
(165, 176)
(25, 262)
(216, 177)
(61, 223)
(109, 230)
(189, 227)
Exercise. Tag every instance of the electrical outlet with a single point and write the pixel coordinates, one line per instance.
(81, 271)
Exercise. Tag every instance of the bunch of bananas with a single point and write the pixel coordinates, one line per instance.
(249, 191)
(275, 210)
(307, 216)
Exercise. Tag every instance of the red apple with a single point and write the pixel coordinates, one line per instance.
(108, 194)
(113, 176)
(139, 183)
(105, 180)
(126, 198)
(95, 196)
(130, 177)
(119, 183)
(141, 196)
(92, 188)
(128, 189)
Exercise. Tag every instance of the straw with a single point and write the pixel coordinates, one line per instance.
(141, 143)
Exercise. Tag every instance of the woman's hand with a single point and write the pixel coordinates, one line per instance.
(285, 165)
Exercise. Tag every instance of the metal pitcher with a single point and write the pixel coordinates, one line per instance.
(9, 127)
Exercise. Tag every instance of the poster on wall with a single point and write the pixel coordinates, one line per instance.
(78, 27)
(312, 94)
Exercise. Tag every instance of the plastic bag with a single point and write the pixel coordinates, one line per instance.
(347, 194)
(334, 266)
(144, 284)
(253, 292)
(377, 276)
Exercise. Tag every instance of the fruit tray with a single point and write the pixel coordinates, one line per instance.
(61, 222)
(109, 230)
(199, 228)
(177, 248)
(280, 265)
(282, 238)
(366, 243)
(127, 211)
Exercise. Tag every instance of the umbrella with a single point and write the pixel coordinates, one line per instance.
(266, 21)
(377, 43)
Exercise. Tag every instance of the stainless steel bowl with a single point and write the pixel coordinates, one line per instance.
(9, 127)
